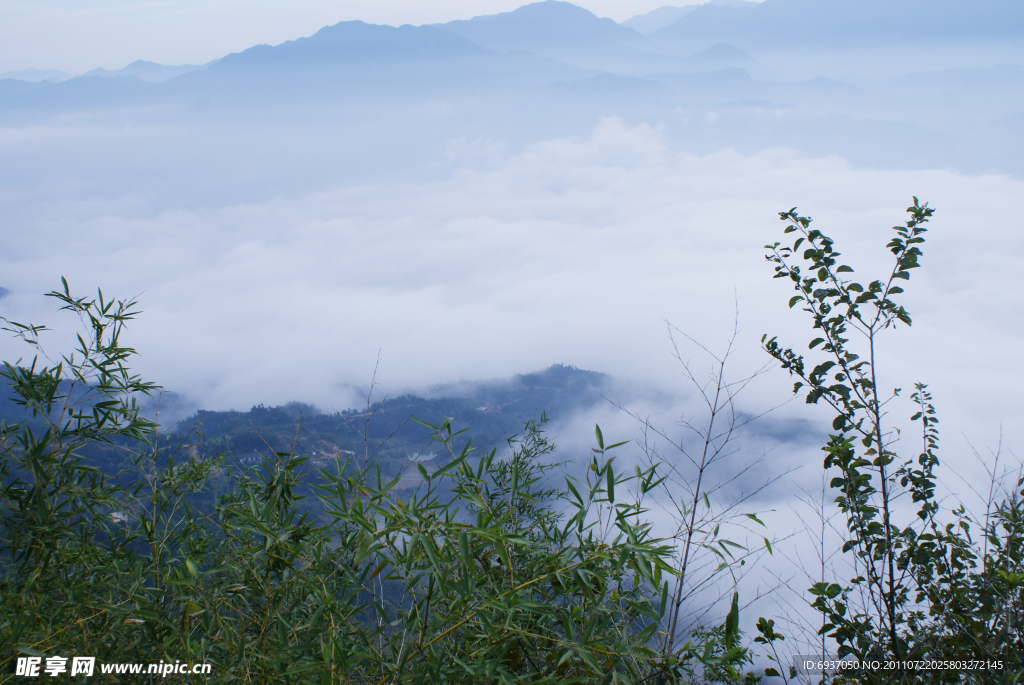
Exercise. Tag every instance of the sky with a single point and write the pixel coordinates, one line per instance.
(75, 36)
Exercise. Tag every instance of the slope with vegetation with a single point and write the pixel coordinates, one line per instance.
(485, 576)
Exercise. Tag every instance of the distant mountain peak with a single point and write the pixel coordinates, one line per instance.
(658, 19)
(545, 9)
(356, 42)
(542, 24)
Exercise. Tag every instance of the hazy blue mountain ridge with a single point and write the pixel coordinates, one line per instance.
(646, 24)
(655, 20)
(340, 62)
(353, 59)
(147, 71)
(551, 24)
(354, 42)
(564, 31)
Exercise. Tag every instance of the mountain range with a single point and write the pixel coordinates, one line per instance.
(818, 76)
(561, 30)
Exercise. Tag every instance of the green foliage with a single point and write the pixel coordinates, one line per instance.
(768, 636)
(487, 573)
(924, 589)
(506, 590)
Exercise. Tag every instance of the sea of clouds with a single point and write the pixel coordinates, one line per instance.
(570, 250)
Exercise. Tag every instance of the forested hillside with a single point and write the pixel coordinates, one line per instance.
(384, 434)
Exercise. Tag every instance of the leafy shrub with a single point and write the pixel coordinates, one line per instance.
(925, 589)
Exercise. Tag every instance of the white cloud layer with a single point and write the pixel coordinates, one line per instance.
(572, 250)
